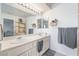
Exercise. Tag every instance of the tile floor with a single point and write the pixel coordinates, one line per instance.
(52, 53)
(58, 54)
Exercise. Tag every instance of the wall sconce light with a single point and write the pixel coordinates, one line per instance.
(54, 22)
(28, 6)
(34, 25)
(20, 20)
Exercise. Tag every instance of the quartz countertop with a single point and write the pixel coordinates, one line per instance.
(11, 42)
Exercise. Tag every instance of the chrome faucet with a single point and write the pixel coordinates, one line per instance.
(40, 34)
(19, 37)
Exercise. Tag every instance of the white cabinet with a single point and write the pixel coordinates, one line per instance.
(25, 53)
(4, 53)
(32, 52)
(45, 45)
(18, 50)
(28, 49)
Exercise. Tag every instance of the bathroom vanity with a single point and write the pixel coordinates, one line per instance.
(26, 45)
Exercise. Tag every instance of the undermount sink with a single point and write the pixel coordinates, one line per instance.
(17, 40)
(21, 39)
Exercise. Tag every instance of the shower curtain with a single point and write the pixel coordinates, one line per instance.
(68, 37)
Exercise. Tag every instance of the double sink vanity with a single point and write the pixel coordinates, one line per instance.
(17, 33)
(24, 45)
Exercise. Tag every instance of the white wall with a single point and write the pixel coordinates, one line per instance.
(67, 15)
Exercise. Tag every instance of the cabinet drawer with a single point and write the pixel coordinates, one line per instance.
(45, 39)
(24, 54)
(18, 50)
(32, 52)
(4, 53)
(34, 43)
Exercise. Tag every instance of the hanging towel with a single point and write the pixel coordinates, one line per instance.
(68, 37)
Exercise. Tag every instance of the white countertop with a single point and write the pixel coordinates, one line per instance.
(11, 42)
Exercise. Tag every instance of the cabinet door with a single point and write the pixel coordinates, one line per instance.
(3, 53)
(18, 50)
(45, 45)
(24, 54)
(32, 52)
(47, 42)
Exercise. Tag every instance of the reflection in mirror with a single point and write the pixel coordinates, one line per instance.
(42, 23)
(45, 24)
(39, 22)
(31, 31)
(8, 27)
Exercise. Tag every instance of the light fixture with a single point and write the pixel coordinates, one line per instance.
(30, 7)
(34, 25)
(54, 22)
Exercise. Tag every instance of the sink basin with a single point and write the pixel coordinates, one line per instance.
(18, 40)
(14, 42)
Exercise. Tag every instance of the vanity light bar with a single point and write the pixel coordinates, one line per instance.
(27, 5)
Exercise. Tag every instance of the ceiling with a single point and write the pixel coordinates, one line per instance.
(42, 7)
(52, 5)
(39, 7)
(10, 10)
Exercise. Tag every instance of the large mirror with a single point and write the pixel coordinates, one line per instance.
(45, 24)
(14, 21)
(42, 23)
(39, 23)
(8, 26)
